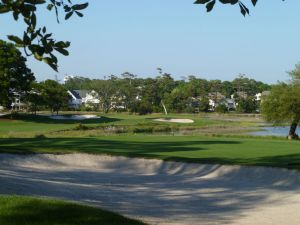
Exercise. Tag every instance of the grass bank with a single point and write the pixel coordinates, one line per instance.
(16, 210)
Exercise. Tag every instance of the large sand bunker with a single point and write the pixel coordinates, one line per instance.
(174, 120)
(159, 192)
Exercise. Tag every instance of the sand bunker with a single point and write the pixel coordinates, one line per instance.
(75, 117)
(174, 120)
(159, 192)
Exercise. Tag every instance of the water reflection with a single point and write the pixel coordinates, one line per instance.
(273, 131)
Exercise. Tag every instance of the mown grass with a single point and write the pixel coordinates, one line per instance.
(17, 210)
(198, 149)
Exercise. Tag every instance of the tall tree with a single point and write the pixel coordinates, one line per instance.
(295, 74)
(15, 76)
(282, 105)
(34, 98)
(54, 94)
(106, 90)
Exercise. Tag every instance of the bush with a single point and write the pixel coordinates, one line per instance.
(81, 127)
(222, 108)
(247, 105)
(143, 108)
(40, 136)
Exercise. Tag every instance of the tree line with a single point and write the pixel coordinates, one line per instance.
(164, 93)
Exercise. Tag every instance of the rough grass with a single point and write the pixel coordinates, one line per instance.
(24, 125)
(16, 210)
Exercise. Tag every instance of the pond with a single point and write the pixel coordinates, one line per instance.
(273, 131)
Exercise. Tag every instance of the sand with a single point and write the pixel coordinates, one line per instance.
(159, 192)
(75, 117)
(174, 120)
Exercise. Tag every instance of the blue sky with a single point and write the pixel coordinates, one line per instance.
(176, 35)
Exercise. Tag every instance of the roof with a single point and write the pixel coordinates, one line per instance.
(79, 94)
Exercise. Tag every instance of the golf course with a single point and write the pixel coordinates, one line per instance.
(149, 112)
(211, 170)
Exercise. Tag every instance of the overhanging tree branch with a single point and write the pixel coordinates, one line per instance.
(37, 41)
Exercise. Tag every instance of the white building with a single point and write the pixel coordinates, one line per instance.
(83, 97)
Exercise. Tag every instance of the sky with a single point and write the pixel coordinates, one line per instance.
(139, 36)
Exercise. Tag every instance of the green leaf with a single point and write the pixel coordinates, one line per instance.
(50, 7)
(62, 51)
(79, 14)
(26, 39)
(210, 5)
(254, 2)
(201, 1)
(68, 15)
(35, 2)
(244, 9)
(80, 6)
(4, 8)
(51, 63)
(16, 15)
(15, 39)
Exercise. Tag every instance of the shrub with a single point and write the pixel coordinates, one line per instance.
(81, 127)
(40, 136)
(222, 108)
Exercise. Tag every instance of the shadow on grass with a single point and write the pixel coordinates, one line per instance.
(166, 150)
(20, 210)
(47, 120)
(98, 146)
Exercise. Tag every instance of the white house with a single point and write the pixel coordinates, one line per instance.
(259, 96)
(229, 103)
(212, 104)
(75, 100)
(91, 98)
(83, 97)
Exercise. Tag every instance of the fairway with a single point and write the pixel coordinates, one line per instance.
(221, 150)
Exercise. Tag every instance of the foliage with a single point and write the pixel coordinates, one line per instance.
(143, 108)
(37, 41)
(283, 105)
(81, 126)
(247, 105)
(54, 94)
(204, 105)
(106, 90)
(14, 74)
(211, 3)
(295, 74)
(34, 98)
(130, 93)
(77, 83)
(221, 108)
